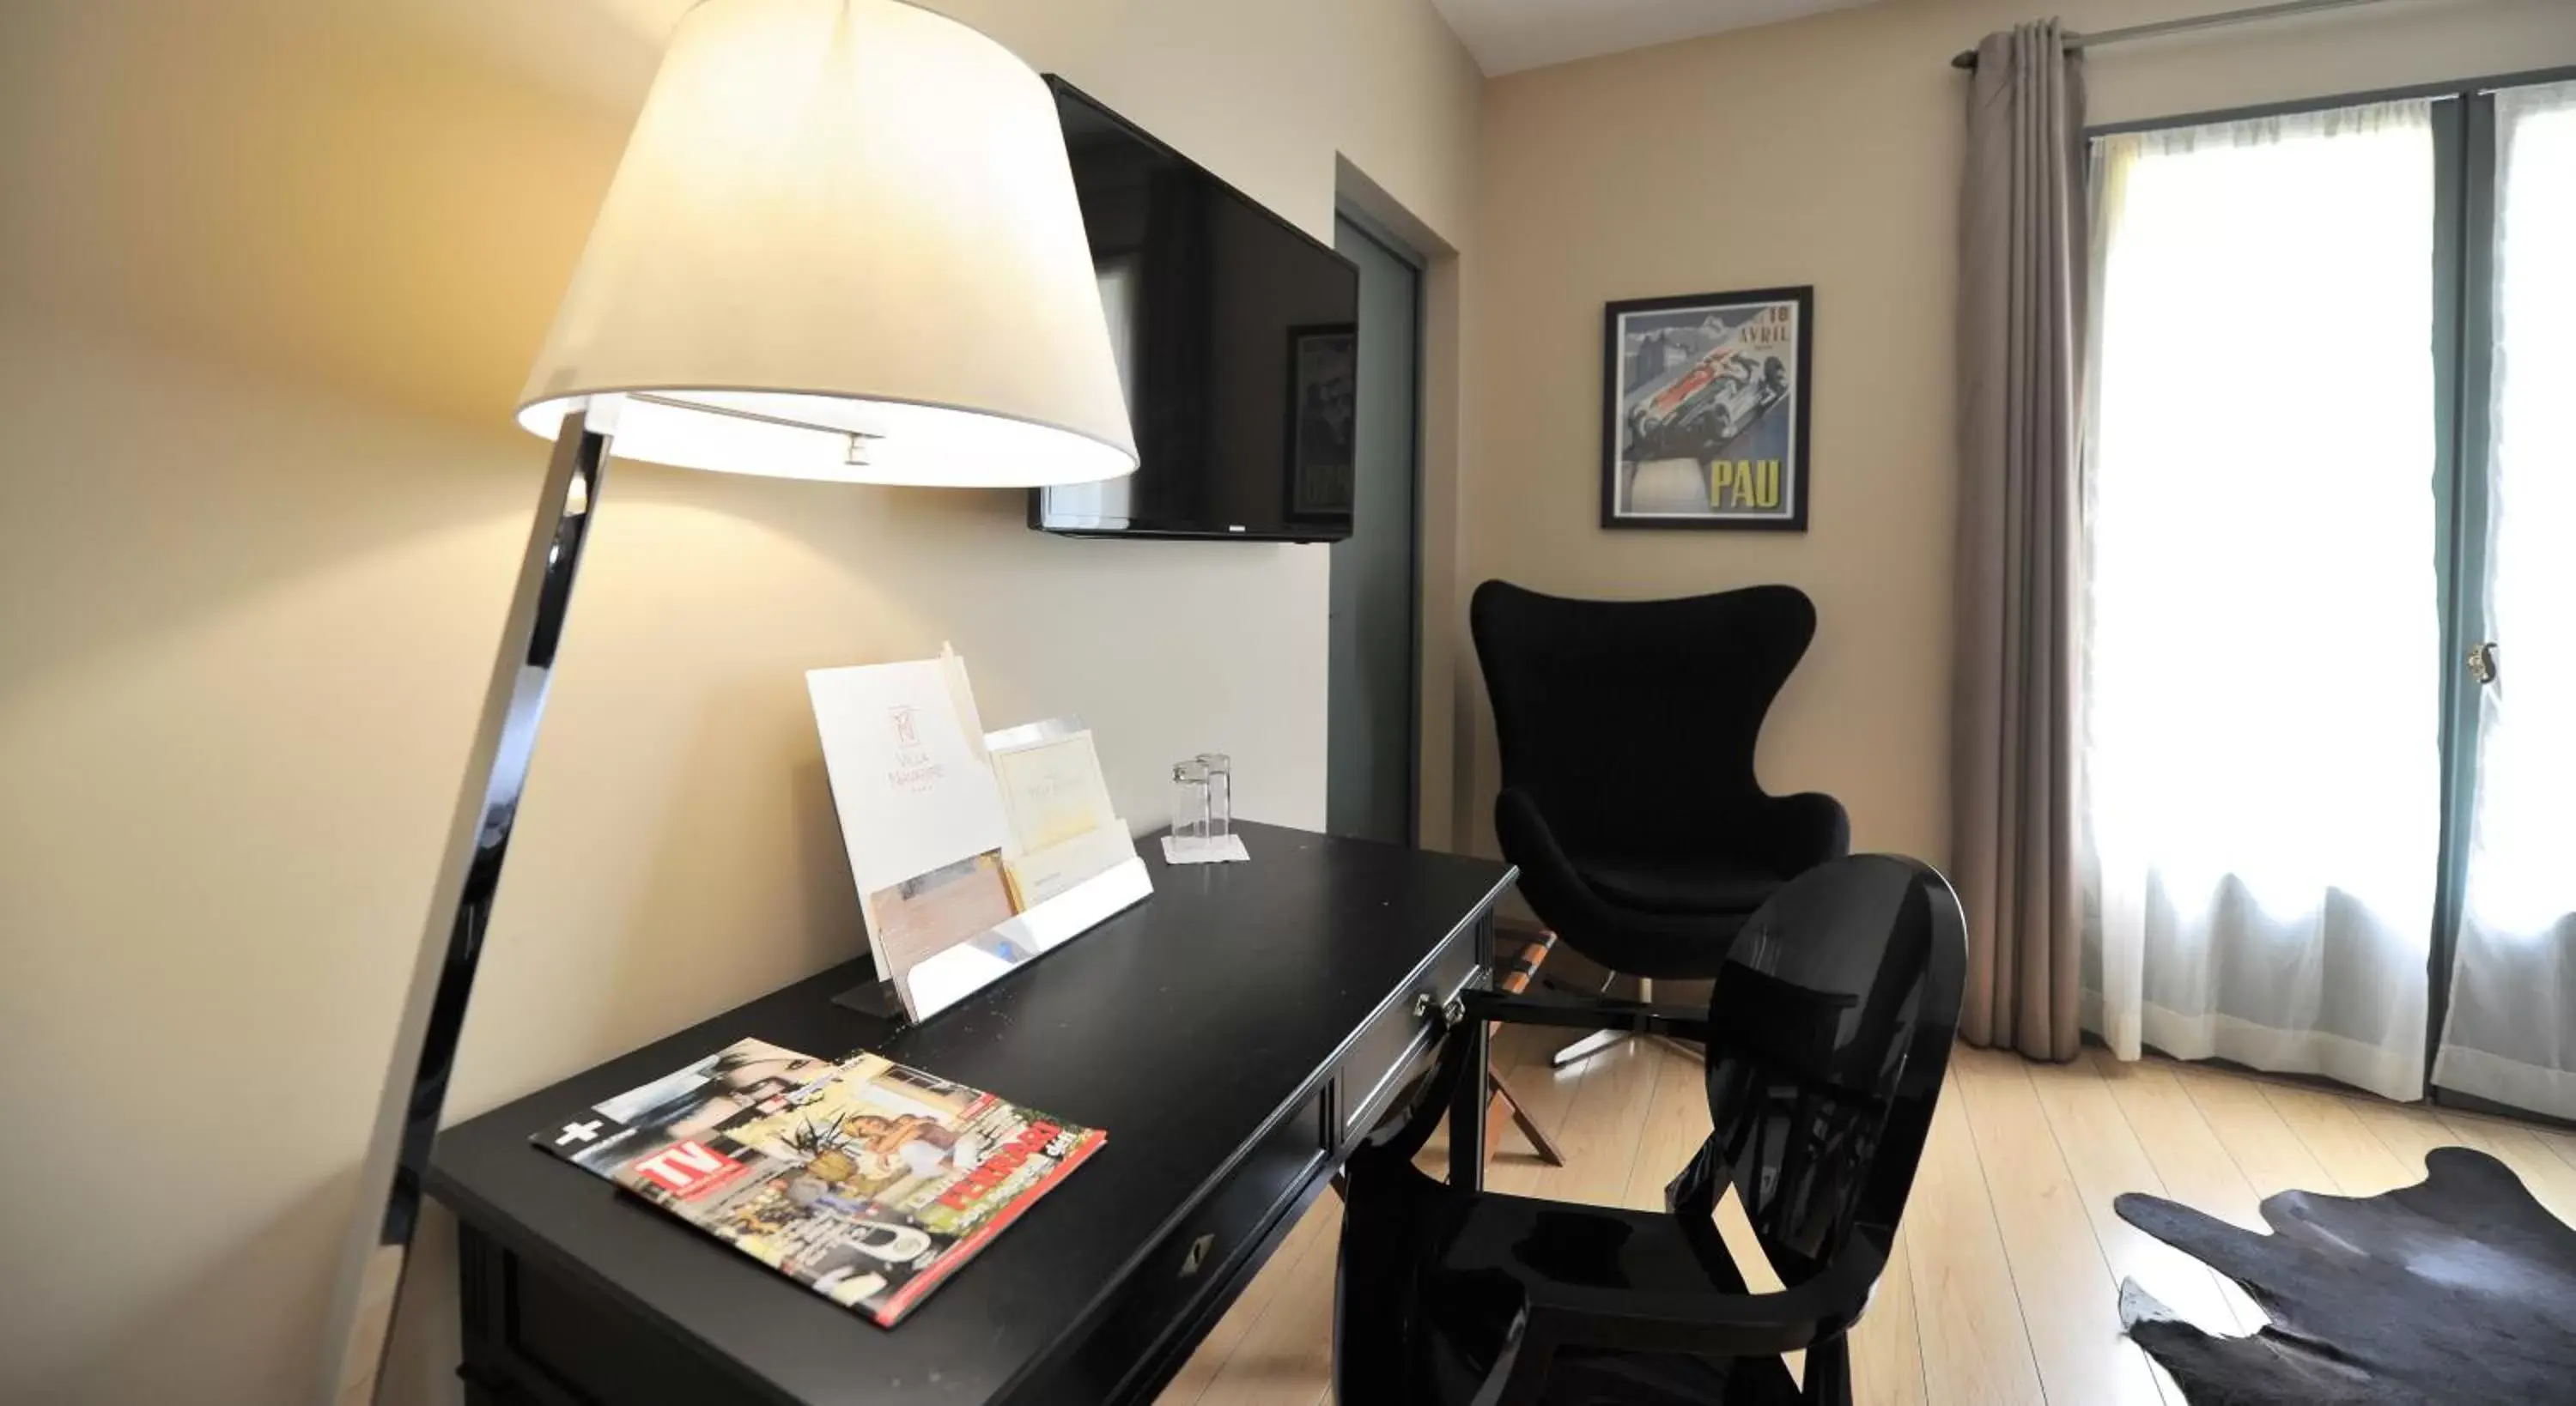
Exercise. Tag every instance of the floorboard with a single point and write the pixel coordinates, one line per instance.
(2188, 1157)
(2360, 1164)
(2104, 1154)
(2058, 1269)
(2271, 1156)
(1676, 1123)
(2408, 1131)
(1886, 1345)
(1599, 1129)
(1967, 1308)
(2558, 1141)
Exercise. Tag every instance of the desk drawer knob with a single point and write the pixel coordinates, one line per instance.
(1452, 1014)
(1196, 1256)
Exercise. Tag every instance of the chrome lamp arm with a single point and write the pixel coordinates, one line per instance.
(460, 912)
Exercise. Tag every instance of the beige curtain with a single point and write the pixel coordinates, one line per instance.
(2021, 292)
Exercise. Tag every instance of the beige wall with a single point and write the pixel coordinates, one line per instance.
(1824, 151)
(270, 273)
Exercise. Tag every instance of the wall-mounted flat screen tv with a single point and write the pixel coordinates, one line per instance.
(1233, 331)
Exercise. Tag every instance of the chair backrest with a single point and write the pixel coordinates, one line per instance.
(1832, 1022)
(1627, 718)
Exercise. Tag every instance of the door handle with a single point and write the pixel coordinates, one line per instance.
(2482, 661)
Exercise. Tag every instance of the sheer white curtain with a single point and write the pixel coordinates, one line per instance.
(2259, 796)
(2511, 1033)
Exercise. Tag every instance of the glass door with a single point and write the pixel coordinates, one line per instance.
(2509, 991)
(2260, 731)
(1369, 675)
(2310, 528)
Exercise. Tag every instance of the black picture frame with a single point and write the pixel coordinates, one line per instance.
(1322, 420)
(1759, 394)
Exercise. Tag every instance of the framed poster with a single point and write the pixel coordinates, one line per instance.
(1704, 410)
(1323, 400)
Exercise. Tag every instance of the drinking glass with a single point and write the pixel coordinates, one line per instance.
(1220, 795)
(1190, 806)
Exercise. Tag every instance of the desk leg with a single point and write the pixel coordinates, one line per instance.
(1467, 1109)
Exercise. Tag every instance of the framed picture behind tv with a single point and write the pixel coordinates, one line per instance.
(1704, 410)
(1323, 402)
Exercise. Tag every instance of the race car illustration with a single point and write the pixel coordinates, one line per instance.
(1702, 408)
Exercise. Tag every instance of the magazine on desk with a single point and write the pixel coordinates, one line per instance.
(865, 1181)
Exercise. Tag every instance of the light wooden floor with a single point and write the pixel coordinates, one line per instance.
(2004, 1287)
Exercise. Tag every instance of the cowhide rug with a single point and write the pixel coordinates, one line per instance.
(2459, 1289)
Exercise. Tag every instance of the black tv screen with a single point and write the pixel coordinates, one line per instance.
(1234, 333)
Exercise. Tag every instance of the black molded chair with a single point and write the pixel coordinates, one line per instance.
(1828, 1032)
(1628, 799)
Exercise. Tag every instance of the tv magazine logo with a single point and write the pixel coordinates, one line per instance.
(689, 1169)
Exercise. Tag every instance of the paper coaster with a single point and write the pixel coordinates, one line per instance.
(1229, 850)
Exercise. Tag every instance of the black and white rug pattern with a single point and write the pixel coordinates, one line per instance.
(2459, 1290)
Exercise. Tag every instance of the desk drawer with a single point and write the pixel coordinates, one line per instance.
(1194, 1272)
(533, 1338)
(1390, 1047)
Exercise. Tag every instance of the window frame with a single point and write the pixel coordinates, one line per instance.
(2454, 88)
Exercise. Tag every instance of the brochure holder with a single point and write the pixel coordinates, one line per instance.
(978, 962)
(950, 977)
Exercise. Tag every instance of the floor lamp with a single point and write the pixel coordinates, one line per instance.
(843, 243)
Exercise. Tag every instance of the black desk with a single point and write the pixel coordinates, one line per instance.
(1234, 1034)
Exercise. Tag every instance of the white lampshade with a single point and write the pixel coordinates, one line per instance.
(843, 243)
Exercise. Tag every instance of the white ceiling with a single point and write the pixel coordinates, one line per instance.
(1508, 35)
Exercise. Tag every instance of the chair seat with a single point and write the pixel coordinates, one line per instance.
(1692, 886)
(1439, 1274)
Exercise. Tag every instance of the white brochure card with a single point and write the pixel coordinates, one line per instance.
(916, 797)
